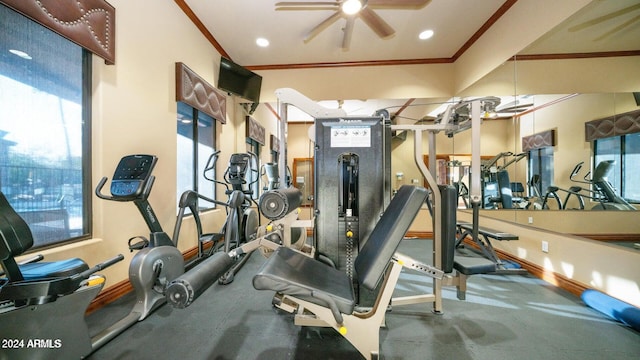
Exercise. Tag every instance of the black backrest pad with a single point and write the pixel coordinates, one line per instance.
(449, 205)
(383, 242)
(15, 235)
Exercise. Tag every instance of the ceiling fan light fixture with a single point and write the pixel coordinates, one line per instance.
(351, 7)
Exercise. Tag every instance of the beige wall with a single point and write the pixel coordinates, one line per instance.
(611, 269)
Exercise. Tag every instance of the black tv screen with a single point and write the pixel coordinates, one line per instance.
(239, 81)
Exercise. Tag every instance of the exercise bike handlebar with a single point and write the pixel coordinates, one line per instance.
(101, 266)
(99, 189)
(143, 195)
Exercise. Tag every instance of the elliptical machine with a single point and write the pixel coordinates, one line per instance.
(242, 220)
(603, 192)
(552, 192)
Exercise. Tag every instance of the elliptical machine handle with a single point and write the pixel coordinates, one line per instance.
(254, 158)
(576, 170)
(211, 166)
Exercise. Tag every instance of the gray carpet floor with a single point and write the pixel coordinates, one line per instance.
(504, 317)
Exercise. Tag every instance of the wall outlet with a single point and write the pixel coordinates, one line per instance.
(545, 246)
(530, 219)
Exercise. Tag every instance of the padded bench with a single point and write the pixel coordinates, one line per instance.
(467, 266)
(484, 243)
(457, 266)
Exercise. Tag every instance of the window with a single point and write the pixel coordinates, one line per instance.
(196, 142)
(625, 152)
(45, 129)
(541, 169)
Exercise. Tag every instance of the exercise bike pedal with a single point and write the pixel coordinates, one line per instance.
(143, 243)
(226, 278)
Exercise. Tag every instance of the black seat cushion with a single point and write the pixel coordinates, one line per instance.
(473, 265)
(292, 273)
(62, 268)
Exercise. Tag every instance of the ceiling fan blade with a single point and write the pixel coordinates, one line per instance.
(399, 4)
(604, 18)
(307, 3)
(322, 26)
(617, 28)
(302, 8)
(376, 23)
(348, 32)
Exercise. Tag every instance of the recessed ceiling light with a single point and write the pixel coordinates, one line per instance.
(20, 53)
(262, 42)
(427, 34)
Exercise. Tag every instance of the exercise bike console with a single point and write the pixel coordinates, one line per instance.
(131, 175)
(132, 179)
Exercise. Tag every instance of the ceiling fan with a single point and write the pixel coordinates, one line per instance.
(350, 10)
(611, 16)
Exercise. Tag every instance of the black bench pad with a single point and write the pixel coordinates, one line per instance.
(494, 234)
(473, 265)
(292, 273)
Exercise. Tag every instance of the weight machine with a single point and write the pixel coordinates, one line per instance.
(349, 164)
(323, 296)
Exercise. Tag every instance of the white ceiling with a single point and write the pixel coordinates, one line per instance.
(237, 26)
(601, 26)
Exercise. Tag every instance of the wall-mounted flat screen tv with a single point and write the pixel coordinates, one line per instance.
(239, 81)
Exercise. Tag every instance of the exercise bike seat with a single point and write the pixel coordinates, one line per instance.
(53, 269)
(15, 239)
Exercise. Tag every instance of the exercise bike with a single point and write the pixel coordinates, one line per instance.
(43, 304)
(158, 261)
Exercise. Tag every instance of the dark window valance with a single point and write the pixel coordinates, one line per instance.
(88, 23)
(255, 131)
(539, 140)
(193, 90)
(622, 124)
(275, 143)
